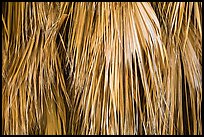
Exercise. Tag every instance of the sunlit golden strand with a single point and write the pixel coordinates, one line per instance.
(123, 35)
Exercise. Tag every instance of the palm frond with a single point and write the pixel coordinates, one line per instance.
(101, 67)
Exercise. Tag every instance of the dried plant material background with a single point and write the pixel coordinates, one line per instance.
(101, 68)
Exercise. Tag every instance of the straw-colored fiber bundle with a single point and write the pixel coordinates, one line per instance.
(101, 68)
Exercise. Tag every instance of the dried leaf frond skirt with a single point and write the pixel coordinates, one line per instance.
(101, 68)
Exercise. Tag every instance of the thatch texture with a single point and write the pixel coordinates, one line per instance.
(101, 68)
